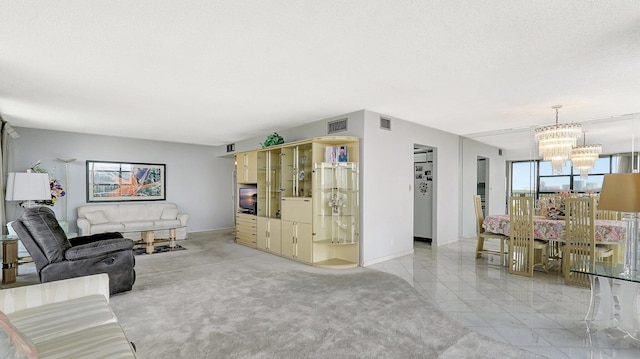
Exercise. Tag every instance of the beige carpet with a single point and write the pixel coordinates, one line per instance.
(218, 299)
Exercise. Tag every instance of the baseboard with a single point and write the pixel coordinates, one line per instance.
(386, 258)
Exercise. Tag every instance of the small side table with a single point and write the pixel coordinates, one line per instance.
(9, 260)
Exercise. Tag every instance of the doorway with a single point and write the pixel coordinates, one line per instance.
(424, 160)
(483, 183)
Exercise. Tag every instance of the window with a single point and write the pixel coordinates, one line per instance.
(523, 178)
(537, 178)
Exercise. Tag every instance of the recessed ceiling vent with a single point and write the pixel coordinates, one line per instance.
(385, 123)
(337, 126)
(231, 147)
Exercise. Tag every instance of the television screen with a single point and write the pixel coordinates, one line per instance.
(248, 200)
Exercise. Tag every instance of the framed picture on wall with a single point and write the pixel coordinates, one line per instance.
(125, 181)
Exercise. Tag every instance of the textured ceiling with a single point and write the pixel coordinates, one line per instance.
(214, 72)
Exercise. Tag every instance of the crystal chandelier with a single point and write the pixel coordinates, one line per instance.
(584, 157)
(555, 142)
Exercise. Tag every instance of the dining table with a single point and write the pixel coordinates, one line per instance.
(609, 233)
(545, 228)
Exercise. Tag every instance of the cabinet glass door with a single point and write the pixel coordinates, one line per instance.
(296, 171)
(335, 203)
(269, 189)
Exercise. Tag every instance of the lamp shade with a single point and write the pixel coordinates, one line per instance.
(620, 192)
(27, 186)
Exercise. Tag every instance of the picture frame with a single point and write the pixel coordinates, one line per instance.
(109, 181)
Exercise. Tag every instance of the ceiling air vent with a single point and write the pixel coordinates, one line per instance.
(231, 147)
(337, 126)
(385, 123)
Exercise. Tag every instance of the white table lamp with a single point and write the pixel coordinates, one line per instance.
(28, 187)
(621, 192)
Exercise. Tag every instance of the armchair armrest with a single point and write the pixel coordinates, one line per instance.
(77, 241)
(84, 226)
(25, 297)
(98, 248)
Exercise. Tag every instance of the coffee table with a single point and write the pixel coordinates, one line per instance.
(148, 235)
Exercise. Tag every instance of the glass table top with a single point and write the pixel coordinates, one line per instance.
(609, 271)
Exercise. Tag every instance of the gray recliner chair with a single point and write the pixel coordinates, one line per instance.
(57, 257)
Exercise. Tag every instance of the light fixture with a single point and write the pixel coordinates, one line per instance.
(28, 187)
(621, 192)
(585, 156)
(555, 142)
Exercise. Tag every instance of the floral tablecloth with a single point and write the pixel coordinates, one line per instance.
(607, 231)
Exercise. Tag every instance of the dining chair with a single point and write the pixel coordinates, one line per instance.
(610, 215)
(580, 250)
(522, 244)
(482, 234)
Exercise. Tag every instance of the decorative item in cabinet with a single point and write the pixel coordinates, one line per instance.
(336, 214)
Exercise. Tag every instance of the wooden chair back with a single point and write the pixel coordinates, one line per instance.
(477, 204)
(610, 215)
(521, 241)
(580, 237)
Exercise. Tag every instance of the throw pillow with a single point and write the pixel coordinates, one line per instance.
(169, 213)
(97, 217)
(14, 344)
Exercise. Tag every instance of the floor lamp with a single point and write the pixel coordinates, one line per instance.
(621, 192)
(66, 183)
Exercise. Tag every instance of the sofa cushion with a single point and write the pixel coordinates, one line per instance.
(166, 223)
(45, 230)
(169, 213)
(53, 320)
(14, 344)
(106, 341)
(138, 225)
(97, 217)
(107, 227)
(133, 212)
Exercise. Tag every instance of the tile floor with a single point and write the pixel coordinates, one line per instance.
(539, 314)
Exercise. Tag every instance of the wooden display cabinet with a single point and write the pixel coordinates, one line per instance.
(297, 167)
(246, 167)
(297, 228)
(246, 229)
(336, 214)
(307, 200)
(269, 235)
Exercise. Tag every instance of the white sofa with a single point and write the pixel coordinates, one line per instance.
(131, 217)
(69, 318)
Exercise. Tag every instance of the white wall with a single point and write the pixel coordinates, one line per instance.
(387, 191)
(196, 180)
(495, 192)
